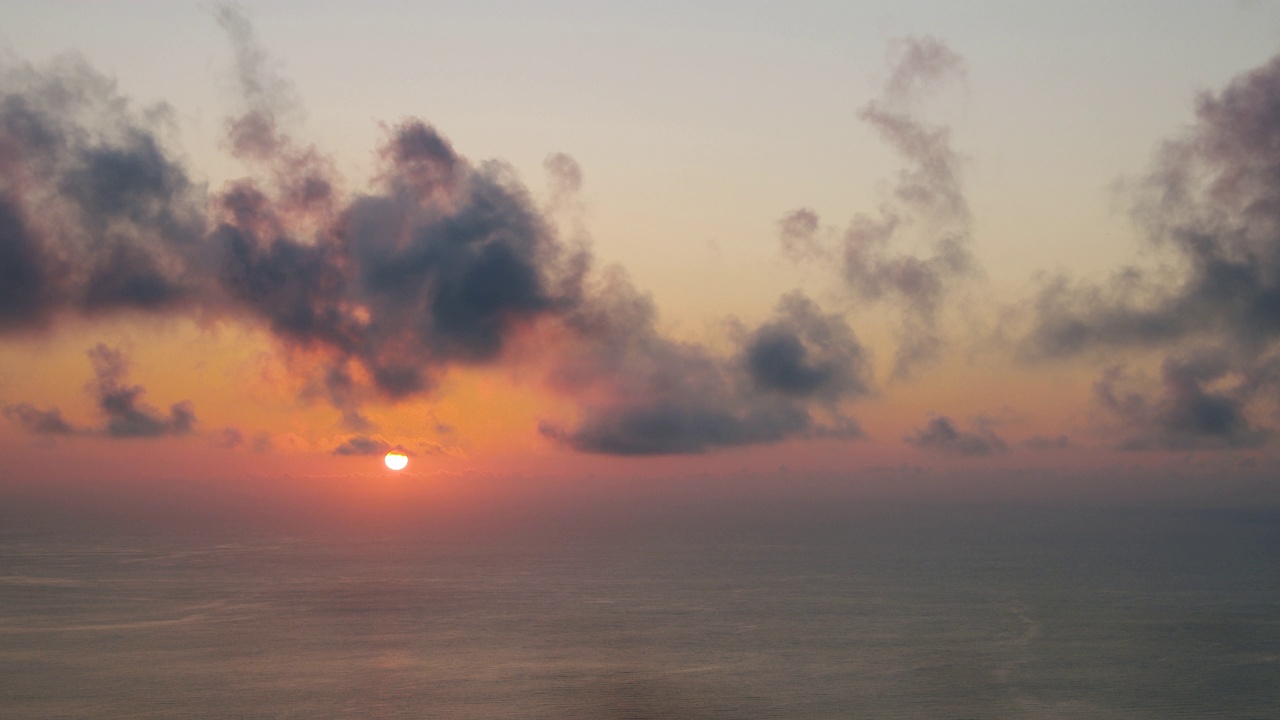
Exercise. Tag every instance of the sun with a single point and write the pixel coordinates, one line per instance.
(396, 460)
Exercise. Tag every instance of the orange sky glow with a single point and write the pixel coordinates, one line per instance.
(900, 263)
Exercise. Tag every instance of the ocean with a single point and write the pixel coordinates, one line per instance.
(797, 611)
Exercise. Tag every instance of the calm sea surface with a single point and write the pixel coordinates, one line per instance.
(793, 613)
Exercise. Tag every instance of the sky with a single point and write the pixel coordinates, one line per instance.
(969, 249)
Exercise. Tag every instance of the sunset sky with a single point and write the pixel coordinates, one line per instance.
(881, 244)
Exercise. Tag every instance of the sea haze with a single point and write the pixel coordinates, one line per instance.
(667, 608)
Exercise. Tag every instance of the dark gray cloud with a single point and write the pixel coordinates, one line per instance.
(127, 416)
(942, 435)
(442, 262)
(440, 265)
(130, 184)
(1202, 404)
(297, 288)
(787, 378)
(1045, 442)
(125, 276)
(28, 292)
(39, 422)
(1212, 206)
(928, 202)
(363, 445)
(95, 215)
(301, 179)
(449, 263)
(666, 426)
(806, 354)
(228, 438)
(1210, 209)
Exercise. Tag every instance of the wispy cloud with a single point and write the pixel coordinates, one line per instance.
(37, 421)
(125, 414)
(1210, 208)
(941, 434)
(927, 198)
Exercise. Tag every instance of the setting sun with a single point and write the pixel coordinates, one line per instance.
(396, 460)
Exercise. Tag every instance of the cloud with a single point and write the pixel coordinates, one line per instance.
(439, 265)
(942, 435)
(126, 415)
(920, 65)
(803, 353)
(95, 215)
(1210, 206)
(667, 426)
(232, 438)
(800, 232)
(441, 262)
(27, 292)
(39, 422)
(565, 175)
(228, 438)
(363, 445)
(261, 443)
(1201, 404)
(1044, 442)
(262, 87)
(1210, 209)
(786, 378)
(927, 199)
